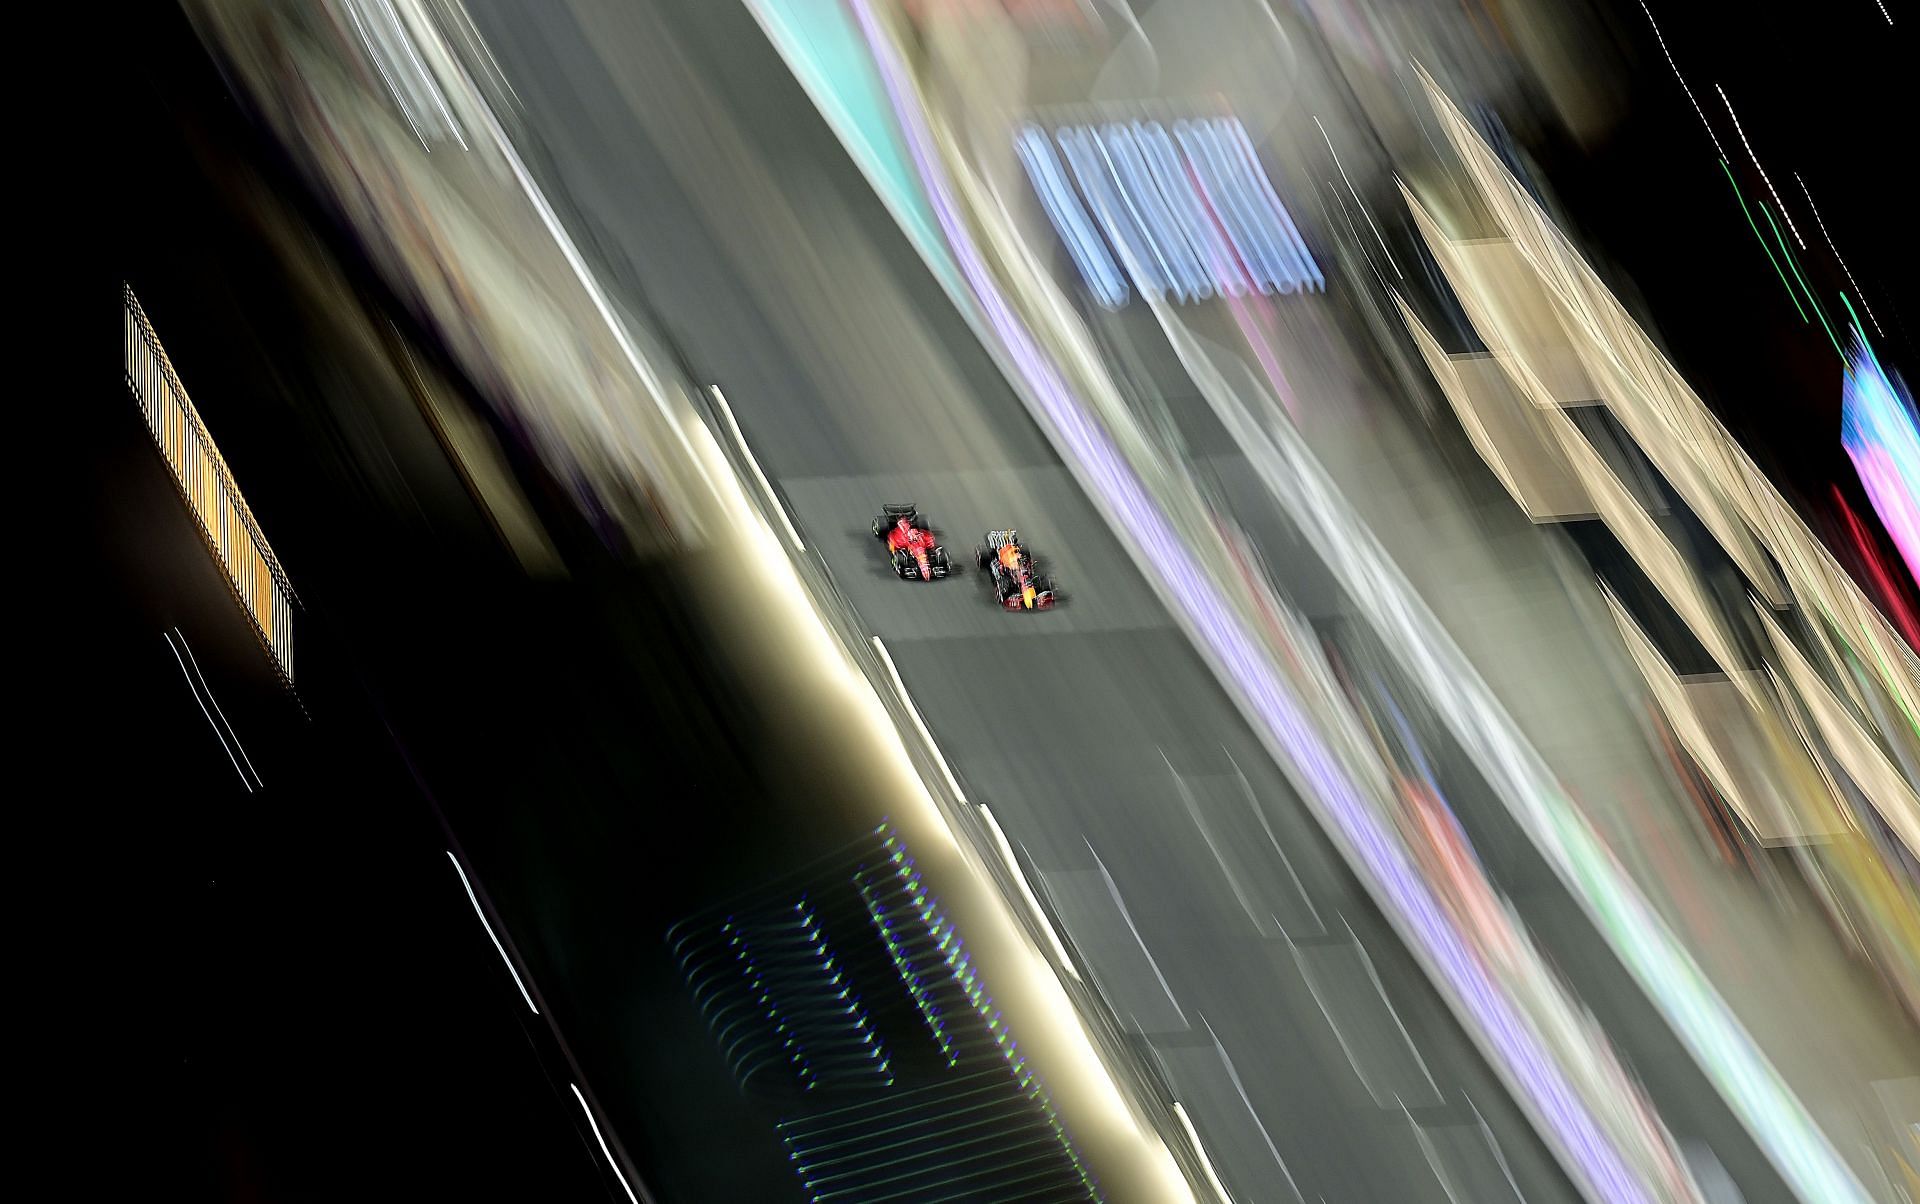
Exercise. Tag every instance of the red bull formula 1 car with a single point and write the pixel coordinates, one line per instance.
(1018, 583)
(911, 548)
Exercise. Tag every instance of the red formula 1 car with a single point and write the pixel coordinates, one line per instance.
(1018, 583)
(911, 548)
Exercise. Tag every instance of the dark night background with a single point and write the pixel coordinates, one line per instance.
(308, 1006)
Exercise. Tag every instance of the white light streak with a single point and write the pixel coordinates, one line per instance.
(1357, 201)
(766, 486)
(1200, 1151)
(1239, 1089)
(501, 950)
(426, 76)
(1005, 848)
(208, 690)
(373, 52)
(1661, 38)
(1857, 290)
(1738, 129)
(926, 733)
(1113, 891)
(203, 711)
(595, 1126)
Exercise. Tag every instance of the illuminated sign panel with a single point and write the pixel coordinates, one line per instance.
(1882, 436)
(1190, 211)
(229, 526)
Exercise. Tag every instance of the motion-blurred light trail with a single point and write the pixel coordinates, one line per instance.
(1115, 210)
(202, 704)
(1199, 224)
(1883, 575)
(1206, 1161)
(1755, 226)
(1361, 205)
(1004, 847)
(611, 1161)
(1230, 179)
(919, 724)
(1661, 38)
(1741, 130)
(1070, 218)
(414, 89)
(753, 462)
(206, 689)
(1192, 214)
(497, 947)
(1822, 224)
(1127, 163)
(1597, 1162)
(1878, 430)
(1793, 264)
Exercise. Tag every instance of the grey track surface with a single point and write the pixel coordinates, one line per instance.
(711, 195)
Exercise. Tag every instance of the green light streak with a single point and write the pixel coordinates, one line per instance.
(1785, 283)
(1860, 332)
(1786, 253)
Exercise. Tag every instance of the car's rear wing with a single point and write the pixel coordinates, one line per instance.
(1000, 539)
(900, 509)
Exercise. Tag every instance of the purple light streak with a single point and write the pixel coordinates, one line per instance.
(1603, 1166)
